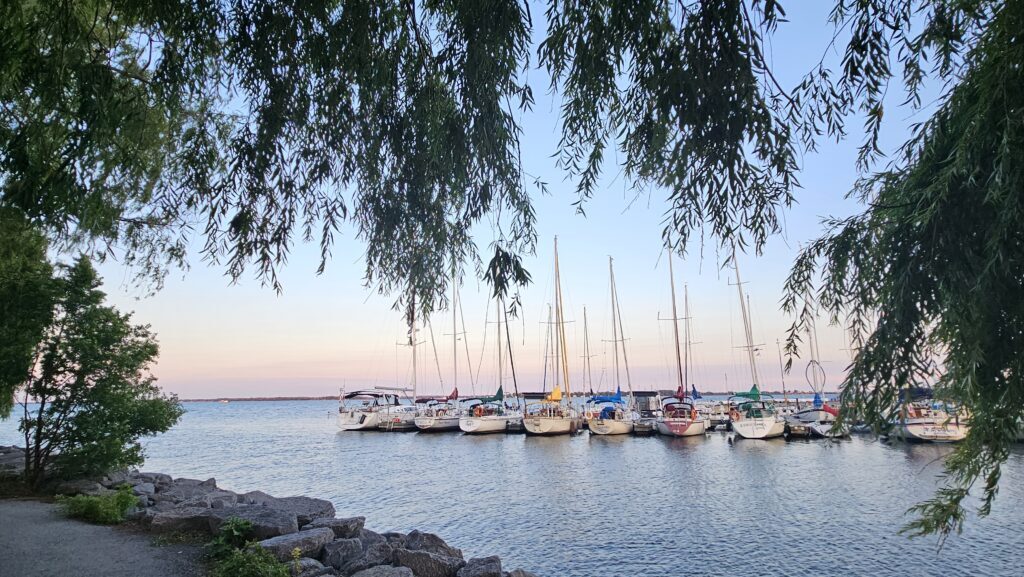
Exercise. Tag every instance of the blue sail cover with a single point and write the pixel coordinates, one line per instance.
(694, 394)
(817, 401)
(616, 399)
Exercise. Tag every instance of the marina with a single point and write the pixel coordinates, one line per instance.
(548, 502)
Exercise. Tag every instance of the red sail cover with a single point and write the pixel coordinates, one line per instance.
(830, 410)
(680, 392)
(454, 395)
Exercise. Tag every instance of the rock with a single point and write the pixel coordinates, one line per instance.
(343, 528)
(419, 541)
(395, 539)
(181, 493)
(216, 499)
(181, 519)
(481, 567)
(374, 555)
(211, 482)
(385, 571)
(256, 498)
(144, 489)
(266, 522)
(183, 482)
(521, 573)
(82, 487)
(309, 543)
(155, 478)
(116, 479)
(306, 509)
(427, 564)
(308, 568)
(340, 552)
(368, 538)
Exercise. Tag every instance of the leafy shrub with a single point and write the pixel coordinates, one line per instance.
(253, 561)
(100, 509)
(233, 535)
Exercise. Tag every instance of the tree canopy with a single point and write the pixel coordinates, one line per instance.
(132, 125)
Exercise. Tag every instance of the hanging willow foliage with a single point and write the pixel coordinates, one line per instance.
(136, 126)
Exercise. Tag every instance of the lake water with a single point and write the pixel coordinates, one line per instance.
(607, 506)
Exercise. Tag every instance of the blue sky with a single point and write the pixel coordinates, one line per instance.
(326, 331)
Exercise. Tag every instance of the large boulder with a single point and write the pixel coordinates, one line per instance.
(309, 543)
(82, 487)
(385, 571)
(306, 567)
(341, 552)
(481, 567)
(374, 555)
(256, 498)
(306, 509)
(186, 492)
(368, 538)
(420, 541)
(395, 539)
(181, 519)
(343, 528)
(266, 522)
(427, 564)
(144, 489)
(216, 499)
(155, 478)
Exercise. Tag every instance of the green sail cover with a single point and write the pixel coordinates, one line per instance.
(497, 398)
(754, 394)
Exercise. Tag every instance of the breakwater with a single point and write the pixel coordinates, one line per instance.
(290, 527)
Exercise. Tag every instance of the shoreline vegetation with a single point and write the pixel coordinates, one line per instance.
(664, 393)
(297, 536)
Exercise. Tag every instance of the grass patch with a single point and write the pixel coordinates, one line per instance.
(100, 509)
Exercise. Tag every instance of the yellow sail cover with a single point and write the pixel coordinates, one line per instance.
(555, 396)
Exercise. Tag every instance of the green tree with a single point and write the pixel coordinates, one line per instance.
(125, 124)
(25, 300)
(90, 396)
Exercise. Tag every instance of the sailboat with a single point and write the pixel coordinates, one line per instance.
(819, 418)
(679, 417)
(444, 416)
(362, 410)
(491, 415)
(397, 416)
(555, 415)
(616, 416)
(922, 419)
(753, 413)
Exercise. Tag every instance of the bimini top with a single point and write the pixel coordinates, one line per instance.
(373, 394)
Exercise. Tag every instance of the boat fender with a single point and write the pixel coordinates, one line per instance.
(362, 418)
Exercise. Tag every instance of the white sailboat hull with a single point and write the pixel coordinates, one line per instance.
(437, 423)
(357, 420)
(609, 426)
(930, 431)
(485, 424)
(759, 427)
(682, 427)
(536, 425)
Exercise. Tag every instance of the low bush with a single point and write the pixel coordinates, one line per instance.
(100, 509)
(235, 554)
(232, 536)
(253, 561)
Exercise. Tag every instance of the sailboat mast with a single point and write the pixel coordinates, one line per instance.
(561, 327)
(782, 371)
(675, 320)
(686, 325)
(586, 351)
(412, 343)
(622, 334)
(455, 333)
(511, 359)
(615, 330)
(746, 318)
(497, 304)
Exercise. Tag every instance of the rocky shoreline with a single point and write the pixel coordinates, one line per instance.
(327, 545)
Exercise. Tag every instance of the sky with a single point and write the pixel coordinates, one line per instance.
(329, 331)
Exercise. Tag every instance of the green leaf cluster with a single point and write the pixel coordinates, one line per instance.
(235, 554)
(100, 509)
(930, 278)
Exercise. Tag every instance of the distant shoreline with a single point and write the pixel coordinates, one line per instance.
(777, 394)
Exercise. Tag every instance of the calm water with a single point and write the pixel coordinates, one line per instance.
(604, 505)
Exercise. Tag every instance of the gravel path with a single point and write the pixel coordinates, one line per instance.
(36, 540)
